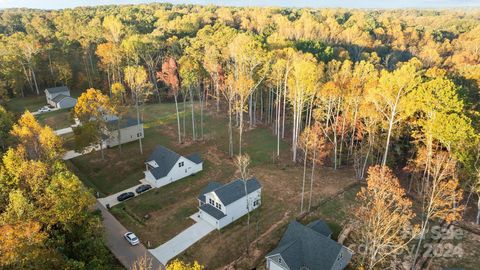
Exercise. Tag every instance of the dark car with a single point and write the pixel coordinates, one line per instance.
(125, 196)
(143, 188)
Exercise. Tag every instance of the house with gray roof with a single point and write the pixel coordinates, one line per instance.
(59, 97)
(165, 166)
(221, 205)
(124, 130)
(308, 247)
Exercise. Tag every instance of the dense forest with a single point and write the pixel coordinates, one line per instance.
(358, 88)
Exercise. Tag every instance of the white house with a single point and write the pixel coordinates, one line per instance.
(221, 205)
(308, 247)
(123, 131)
(165, 166)
(59, 97)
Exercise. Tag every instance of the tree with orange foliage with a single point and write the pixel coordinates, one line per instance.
(382, 219)
(169, 75)
(441, 192)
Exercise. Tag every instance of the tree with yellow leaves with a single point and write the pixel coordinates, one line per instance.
(389, 97)
(93, 110)
(137, 79)
(382, 219)
(39, 143)
(179, 265)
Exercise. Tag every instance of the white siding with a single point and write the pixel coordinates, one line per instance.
(236, 209)
(177, 172)
(272, 265)
(128, 134)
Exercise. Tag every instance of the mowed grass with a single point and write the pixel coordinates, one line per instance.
(160, 214)
(56, 119)
(30, 103)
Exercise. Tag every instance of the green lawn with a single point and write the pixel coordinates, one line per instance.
(56, 119)
(31, 103)
(160, 214)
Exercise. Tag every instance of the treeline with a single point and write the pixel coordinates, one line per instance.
(395, 88)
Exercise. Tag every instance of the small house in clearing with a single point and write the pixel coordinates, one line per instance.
(221, 205)
(59, 97)
(308, 247)
(121, 131)
(165, 166)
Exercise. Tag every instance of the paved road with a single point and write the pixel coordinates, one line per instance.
(112, 199)
(123, 251)
(182, 241)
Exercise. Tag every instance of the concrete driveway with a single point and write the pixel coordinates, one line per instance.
(182, 241)
(112, 199)
(63, 131)
(121, 249)
(73, 154)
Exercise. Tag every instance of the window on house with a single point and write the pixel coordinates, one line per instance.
(210, 201)
(256, 203)
(180, 164)
(139, 135)
(279, 260)
(219, 206)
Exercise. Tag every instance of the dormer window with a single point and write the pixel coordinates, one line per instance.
(280, 260)
(180, 164)
(210, 201)
(219, 206)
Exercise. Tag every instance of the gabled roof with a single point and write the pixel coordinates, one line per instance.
(59, 89)
(124, 123)
(60, 97)
(212, 211)
(235, 190)
(210, 187)
(165, 158)
(302, 246)
(321, 227)
(195, 158)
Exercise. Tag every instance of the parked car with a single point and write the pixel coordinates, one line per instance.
(124, 196)
(143, 188)
(132, 238)
(44, 109)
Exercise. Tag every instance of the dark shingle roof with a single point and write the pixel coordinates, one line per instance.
(235, 190)
(210, 187)
(212, 211)
(59, 97)
(301, 246)
(124, 123)
(321, 227)
(165, 158)
(58, 89)
(195, 158)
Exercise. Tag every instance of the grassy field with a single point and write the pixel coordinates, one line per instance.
(56, 119)
(31, 103)
(159, 215)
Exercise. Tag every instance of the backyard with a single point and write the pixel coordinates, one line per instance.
(159, 215)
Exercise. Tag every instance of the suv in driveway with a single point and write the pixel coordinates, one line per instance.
(143, 188)
(124, 196)
(131, 238)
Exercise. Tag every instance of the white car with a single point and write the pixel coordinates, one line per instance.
(132, 238)
(44, 109)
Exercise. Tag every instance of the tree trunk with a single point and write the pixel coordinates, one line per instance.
(304, 176)
(138, 125)
(35, 80)
(194, 136)
(311, 179)
(178, 119)
(478, 210)
(230, 129)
